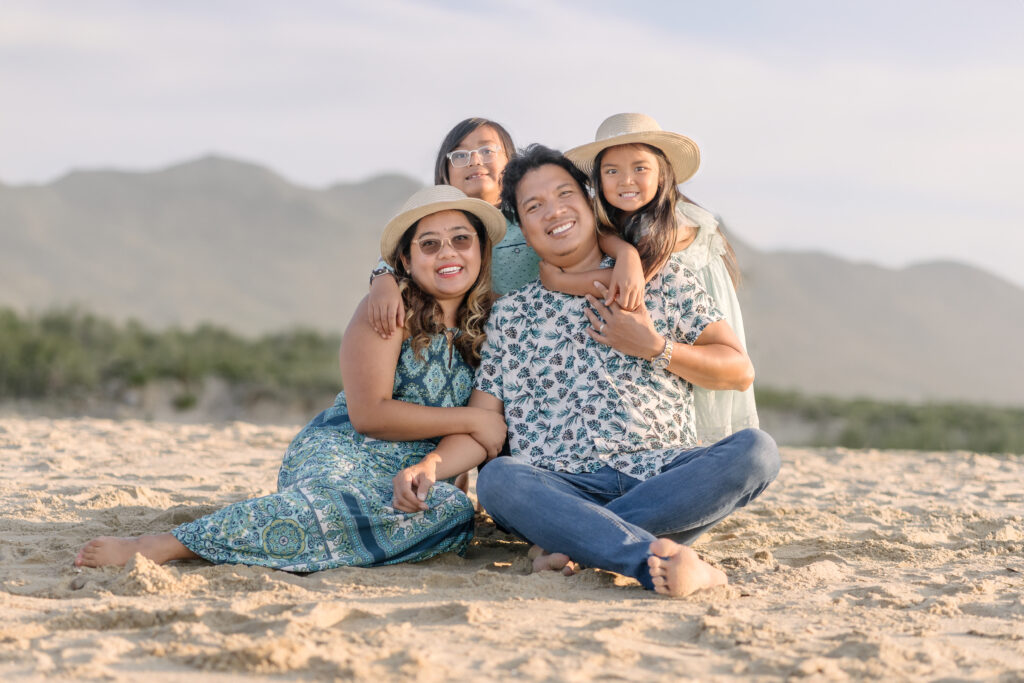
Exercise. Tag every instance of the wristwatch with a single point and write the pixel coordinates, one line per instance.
(383, 270)
(662, 360)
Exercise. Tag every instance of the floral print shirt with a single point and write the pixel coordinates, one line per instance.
(575, 405)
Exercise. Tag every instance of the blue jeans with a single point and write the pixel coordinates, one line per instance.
(608, 520)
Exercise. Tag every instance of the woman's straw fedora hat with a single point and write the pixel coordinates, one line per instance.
(628, 129)
(431, 200)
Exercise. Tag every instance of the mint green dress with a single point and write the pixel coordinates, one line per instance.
(718, 413)
(333, 505)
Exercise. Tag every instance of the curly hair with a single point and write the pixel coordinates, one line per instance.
(423, 315)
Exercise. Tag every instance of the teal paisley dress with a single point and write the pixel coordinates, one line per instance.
(333, 505)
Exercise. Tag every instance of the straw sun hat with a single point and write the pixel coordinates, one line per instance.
(627, 129)
(431, 200)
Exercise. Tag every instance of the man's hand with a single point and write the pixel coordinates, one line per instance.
(630, 332)
(412, 485)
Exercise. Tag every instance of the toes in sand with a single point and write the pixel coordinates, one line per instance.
(545, 561)
(107, 551)
(676, 570)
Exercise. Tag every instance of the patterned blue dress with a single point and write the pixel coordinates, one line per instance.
(333, 505)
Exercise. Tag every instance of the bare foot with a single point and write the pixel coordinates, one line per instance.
(676, 570)
(462, 482)
(543, 561)
(113, 551)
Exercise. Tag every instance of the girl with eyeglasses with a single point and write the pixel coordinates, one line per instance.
(472, 158)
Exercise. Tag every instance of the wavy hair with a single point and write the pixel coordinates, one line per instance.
(423, 315)
(652, 229)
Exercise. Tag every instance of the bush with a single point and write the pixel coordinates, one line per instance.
(69, 352)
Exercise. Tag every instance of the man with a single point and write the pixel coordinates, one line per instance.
(603, 453)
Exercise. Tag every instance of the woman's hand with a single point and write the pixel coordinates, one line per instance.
(627, 285)
(385, 307)
(489, 430)
(412, 485)
(631, 332)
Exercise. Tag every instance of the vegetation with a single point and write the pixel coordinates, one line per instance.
(869, 423)
(69, 353)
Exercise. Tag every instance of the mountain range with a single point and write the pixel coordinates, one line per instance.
(232, 243)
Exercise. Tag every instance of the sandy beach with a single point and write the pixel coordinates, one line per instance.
(854, 564)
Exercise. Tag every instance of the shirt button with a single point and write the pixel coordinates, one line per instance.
(517, 250)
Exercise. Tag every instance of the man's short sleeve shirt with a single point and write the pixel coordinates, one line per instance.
(575, 405)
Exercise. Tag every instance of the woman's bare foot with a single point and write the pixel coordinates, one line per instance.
(113, 551)
(543, 561)
(462, 482)
(676, 570)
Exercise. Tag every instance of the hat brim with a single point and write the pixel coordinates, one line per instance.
(494, 222)
(682, 152)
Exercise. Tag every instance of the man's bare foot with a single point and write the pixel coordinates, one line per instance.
(113, 551)
(543, 561)
(676, 570)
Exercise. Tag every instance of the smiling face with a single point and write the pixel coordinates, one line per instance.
(556, 217)
(629, 177)
(479, 179)
(449, 272)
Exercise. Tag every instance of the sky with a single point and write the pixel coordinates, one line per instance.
(880, 131)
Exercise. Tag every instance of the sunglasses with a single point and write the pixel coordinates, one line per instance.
(461, 157)
(461, 242)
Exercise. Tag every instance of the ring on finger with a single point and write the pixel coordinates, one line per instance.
(600, 330)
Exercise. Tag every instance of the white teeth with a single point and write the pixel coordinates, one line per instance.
(629, 195)
(558, 230)
(450, 270)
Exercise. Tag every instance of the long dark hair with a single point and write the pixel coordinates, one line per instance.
(652, 229)
(423, 315)
(457, 135)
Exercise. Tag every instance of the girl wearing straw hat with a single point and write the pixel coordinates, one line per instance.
(339, 502)
(472, 157)
(635, 167)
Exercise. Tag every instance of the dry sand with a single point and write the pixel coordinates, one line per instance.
(854, 564)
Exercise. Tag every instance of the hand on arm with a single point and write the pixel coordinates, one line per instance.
(385, 310)
(716, 360)
(455, 454)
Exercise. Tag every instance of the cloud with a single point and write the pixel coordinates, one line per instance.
(810, 118)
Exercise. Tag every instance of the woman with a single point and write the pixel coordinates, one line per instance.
(472, 158)
(334, 505)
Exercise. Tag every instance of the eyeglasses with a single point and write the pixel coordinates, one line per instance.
(461, 157)
(461, 242)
